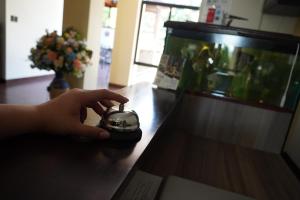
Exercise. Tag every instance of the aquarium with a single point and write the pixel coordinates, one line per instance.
(250, 66)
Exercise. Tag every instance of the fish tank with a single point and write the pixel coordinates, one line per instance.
(245, 65)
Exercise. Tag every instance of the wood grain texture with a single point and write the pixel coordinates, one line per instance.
(233, 123)
(49, 167)
(254, 173)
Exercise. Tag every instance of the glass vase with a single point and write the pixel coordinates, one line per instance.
(58, 85)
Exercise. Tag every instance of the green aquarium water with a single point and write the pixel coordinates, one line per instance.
(244, 73)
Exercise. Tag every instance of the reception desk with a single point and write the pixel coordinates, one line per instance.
(50, 167)
(47, 167)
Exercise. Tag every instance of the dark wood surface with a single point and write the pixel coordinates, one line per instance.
(242, 102)
(254, 173)
(49, 167)
(234, 123)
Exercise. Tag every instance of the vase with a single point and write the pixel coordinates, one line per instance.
(58, 85)
(74, 81)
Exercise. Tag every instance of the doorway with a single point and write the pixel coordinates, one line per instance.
(107, 42)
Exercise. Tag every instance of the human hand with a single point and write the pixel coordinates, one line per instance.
(65, 114)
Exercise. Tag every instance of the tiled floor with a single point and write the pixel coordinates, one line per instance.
(31, 90)
(25, 91)
(139, 73)
(143, 74)
(34, 90)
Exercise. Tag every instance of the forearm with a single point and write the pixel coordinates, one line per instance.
(18, 119)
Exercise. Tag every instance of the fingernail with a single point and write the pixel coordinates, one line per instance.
(105, 134)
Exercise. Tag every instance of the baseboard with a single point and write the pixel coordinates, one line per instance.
(291, 164)
(116, 86)
(29, 78)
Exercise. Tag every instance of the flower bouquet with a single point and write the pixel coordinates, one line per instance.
(67, 53)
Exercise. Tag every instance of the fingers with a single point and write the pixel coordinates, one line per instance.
(97, 108)
(83, 114)
(107, 103)
(93, 132)
(101, 95)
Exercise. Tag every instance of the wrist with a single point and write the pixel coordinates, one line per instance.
(39, 119)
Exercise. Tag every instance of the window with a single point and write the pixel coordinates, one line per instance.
(195, 3)
(151, 33)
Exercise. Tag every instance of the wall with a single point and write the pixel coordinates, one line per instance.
(94, 42)
(34, 17)
(76, 13)
(125, 41)
(86, 17)
(253, 11)
(247, 9)
(2, 38)
(279, 24)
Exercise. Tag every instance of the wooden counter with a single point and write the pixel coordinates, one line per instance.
(56, 168)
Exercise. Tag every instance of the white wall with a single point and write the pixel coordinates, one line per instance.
(279, 24)
(34, 17)
(257, 20)
(247, 9)
(253, 10)
(2, 37)
(292, 147)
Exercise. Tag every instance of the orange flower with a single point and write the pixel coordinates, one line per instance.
(52, 55)
(69, 50)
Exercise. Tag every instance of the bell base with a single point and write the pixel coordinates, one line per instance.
(133, 136)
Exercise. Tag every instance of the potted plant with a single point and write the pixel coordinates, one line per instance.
(66, 55)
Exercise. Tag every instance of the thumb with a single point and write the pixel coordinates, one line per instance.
(90, 131)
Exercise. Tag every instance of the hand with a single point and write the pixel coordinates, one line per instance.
(66, 113)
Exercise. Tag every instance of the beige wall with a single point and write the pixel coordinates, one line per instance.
(76, 13)
(86, 16)
(125, 40)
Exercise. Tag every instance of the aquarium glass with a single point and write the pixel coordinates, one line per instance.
(227, 69)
